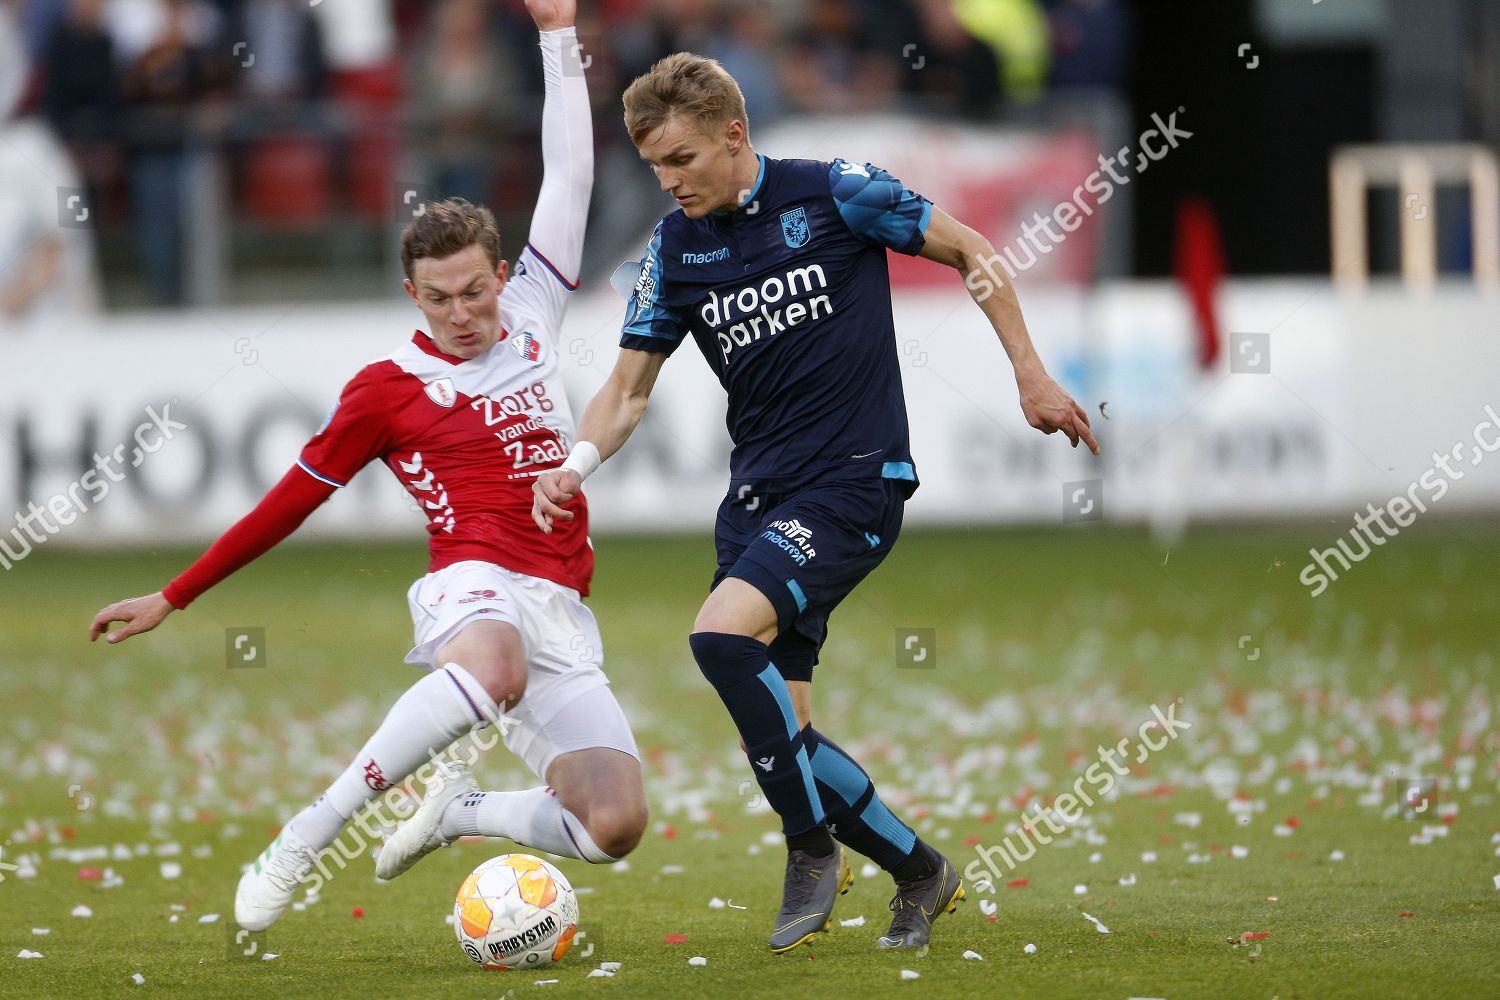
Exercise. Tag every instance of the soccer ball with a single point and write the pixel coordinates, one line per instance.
(515, 912)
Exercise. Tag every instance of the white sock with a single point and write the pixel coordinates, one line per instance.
(533, 818)
(433, 712)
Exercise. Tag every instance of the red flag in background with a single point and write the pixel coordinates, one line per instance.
(1198, 263)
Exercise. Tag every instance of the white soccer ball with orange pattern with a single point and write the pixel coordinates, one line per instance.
(515, 912)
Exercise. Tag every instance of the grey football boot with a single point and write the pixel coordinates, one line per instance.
(812, 885)
(918, 903)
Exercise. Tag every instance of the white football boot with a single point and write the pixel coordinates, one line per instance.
(269, 884)
(423, 833)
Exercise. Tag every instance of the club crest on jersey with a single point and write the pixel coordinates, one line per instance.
(440, 391)
(527, 346)
(795, 228)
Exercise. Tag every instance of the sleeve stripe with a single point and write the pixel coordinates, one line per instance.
(319, 476)
(571, 286)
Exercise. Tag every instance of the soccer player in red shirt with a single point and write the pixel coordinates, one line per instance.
(466, 417)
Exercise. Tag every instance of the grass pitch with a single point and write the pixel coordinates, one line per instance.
(1264, 853)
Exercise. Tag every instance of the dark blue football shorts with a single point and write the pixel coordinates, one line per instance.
(806, 551)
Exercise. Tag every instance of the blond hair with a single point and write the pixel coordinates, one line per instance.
(683, 84)
(446, 227)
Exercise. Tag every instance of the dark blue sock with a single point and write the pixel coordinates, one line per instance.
(760, 704)
(855, 814)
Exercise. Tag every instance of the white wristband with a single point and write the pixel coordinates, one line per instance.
(583, 459)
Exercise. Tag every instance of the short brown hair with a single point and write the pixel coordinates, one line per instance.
(683, 84)
(446, 227)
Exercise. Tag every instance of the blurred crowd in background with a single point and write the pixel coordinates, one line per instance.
(314, 112)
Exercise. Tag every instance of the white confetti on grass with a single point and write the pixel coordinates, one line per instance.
(697, 960)
(858, 921)
(1030, 949)
(716, 903)
(28, 953)
(1128, 879)
(1238, 851)
(988, 907)
(82, 911)
(1080, 890)
(138, 979)
(600, 974)
(269, 956)
(546, 982)
(1147, 857)
(1336, 856)
(610, 966)
(41, 931)
(735, 906)
(209, 918)
(973, 956)
(171, 870)
(1098, 926)
(908, 975)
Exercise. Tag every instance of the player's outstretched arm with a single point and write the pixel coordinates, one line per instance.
(140, 614)
(1046, 405)
(278, 514)
(562, 206)
(609, 420)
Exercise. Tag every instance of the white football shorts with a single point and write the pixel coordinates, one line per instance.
(568, 705)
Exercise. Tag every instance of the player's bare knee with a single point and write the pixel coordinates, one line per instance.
(503, 680)
(617, 828)
(737, 608)
(494, 656)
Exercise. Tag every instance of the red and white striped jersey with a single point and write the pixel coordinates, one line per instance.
(468, 438)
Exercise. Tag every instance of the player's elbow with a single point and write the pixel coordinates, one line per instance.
(973, 251)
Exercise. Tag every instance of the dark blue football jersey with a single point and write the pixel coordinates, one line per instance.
(789, 299)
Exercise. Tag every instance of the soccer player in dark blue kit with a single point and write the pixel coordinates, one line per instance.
(777, 268)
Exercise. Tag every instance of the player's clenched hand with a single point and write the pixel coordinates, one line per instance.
(550, 15)
(550, 491)
(140, 614)
(1048, 408)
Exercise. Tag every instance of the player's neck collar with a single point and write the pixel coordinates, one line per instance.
(427, 345)
(760, 178)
